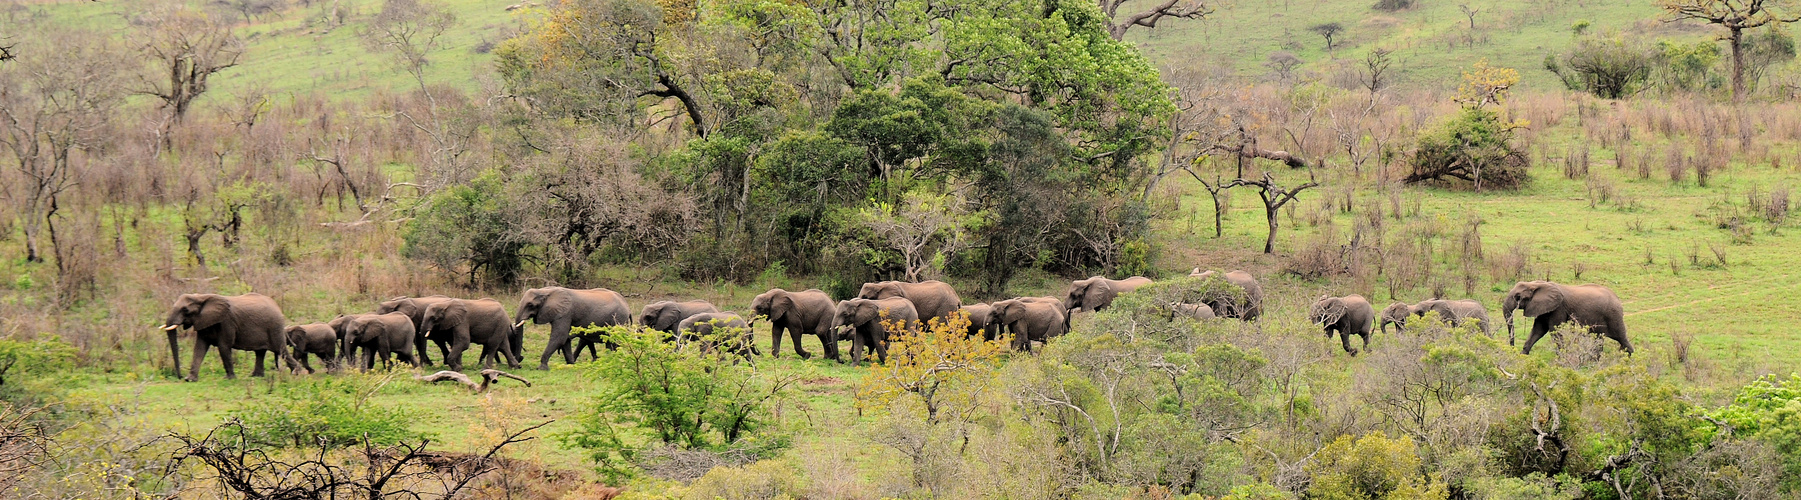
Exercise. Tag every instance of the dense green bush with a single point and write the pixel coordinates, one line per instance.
(326, 413)
(1769, 410)
(1610, 67)
(473, 229)
(1475, 148)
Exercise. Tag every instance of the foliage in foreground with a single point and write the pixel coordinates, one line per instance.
(324, 413)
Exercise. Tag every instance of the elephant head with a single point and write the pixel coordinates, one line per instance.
(856, 312)
(1534, 298)
(1396, 313)
(443, 315)
(1327, 311)
(1087, 293)
(542, 305)
(774, 304)
(197, 311)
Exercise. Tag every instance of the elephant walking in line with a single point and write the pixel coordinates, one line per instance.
(249, 322)
(1345, 316)
(564, 309)
(380, 336)
(665, 316)
(1097, 293)
(702, 327)
(314, 338)
(870, 327)
(981, 321)
(931, 299)
(1592, 306)
(809, 311)
(414, 308)
(1453, 312)
(1031, 320)
(463, 322)
(1248, 309)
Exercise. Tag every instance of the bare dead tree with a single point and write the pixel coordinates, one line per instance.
(1375, 70)
(23, 443)
(1274, 197)
(1117, 25)
(410, 31)
(185, 48)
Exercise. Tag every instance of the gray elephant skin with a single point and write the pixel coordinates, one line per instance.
(702, 327)
(931, 299)
(664, 316)
(1192, 311)
(1248, 309)
(800, 313)
(1453, 312)
(563, 309)
(249, 322)
(464, 322)
(1552, 304)
(1344, 316)
(981, 321)
(869, 328)
(379, 336)
(1031, 319)
(414, 308)
(1096, 293)
(317, 339)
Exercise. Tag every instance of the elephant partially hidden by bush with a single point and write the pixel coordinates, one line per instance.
(1592, 306)
(314, 338)
(1345, 316)
(414, 308)
(931, 299)
(1194, 311)
(1096, 293)
(249, 322)
(379, 336)
(1031, 319)
(809, 311)
(1248, 308)
(703, 326)
(665, 316)
(463, 322)
(869, 326)
(565, 308)
(981, 321)
(1453, 312)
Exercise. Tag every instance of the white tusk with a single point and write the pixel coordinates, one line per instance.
(169, 327)
(519, 324)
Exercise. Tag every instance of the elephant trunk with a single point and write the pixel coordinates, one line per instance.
(1382, 325)
(175, 349)
(1507, 315)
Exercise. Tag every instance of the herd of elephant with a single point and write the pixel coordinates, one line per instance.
(404, 327)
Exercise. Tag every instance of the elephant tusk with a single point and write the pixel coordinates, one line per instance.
(168, 327)
(519, 324)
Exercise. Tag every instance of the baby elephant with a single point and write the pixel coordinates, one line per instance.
(1196, 311)
(1345, 316)
(316, 338)
(1453, 312)
(703, 327)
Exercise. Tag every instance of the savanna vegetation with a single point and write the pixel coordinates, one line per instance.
(333, 155)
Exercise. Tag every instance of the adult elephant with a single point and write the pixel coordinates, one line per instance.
(932, 299)
(565, 308)
(317, 339)
(1344, 316)
(1030, 320)
(869, 327)
(1096, 293)
(1454, 312)
(981, 321)
(414, 308)
(797, 313)
(380, 336)
(664, 316)
(1247, 308)
(1592, 306)
(249, 322)
(464, 322)
(704, 325)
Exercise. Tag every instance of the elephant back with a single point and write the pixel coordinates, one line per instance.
(259, 323)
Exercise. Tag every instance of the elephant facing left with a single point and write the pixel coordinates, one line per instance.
(249, 322)
(317, 339)
(565, 308)
(1344, 316)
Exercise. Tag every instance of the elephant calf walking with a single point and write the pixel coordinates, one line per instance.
(797, 313)
(1453, 312)
(1344, 316)
(317, 339)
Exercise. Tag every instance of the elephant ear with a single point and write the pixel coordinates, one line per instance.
(1548, 297)
(780, 306)
(1098, 289)
(212, 312)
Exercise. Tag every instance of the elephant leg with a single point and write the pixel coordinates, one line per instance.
(200, 348)
(419, 346)
(881, 349)
(454, 357)
(799, 350)
(559, 344)
(368, 358)
(258, 372)
(230, 360)
(828, 341)
(856, 346)
(1539, 327)
(301, 356)
(1366, 339)
(1344, 337)
(1616, 330)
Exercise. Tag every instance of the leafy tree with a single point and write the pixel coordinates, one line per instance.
(1611, 67)
(1688, 66)
(1327, 31)
(1371, 466)
(1769, 410)
(1477, 146)
(926, 229)
(940, 365)
(1736, 17)
(473, 228)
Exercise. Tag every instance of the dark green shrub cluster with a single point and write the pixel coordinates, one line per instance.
(1474, 149)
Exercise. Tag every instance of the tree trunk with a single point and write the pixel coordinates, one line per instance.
(1736, 39)
(1269, 212)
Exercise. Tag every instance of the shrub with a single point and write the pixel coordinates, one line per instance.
(659, 401)
(1392, 5)
(1769, 410)
(328, 413)
(471, 228)
(1610, 67)
(1372, 466)
(1476, 147)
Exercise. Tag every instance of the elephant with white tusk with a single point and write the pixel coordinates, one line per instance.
(1592, 306)
(249, 322)
(564, 309)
